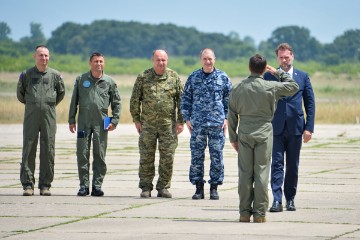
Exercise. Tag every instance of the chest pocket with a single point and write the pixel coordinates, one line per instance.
(168, 91)
(41, 88)
(218, 91)
(32, 90)
(103, 95)
(35, 81)
(103, 88)
(49, 89)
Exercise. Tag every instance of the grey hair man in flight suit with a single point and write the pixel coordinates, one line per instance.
(94, 92)
(252, 104)
(40, 88)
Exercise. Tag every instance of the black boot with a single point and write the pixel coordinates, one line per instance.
(199, 194)
(213, 192)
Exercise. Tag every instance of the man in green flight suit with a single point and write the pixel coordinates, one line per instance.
(252, 104)
(155, 109)
(94, 92)
(40, 88)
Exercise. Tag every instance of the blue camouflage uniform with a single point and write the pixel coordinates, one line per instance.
(204, 103)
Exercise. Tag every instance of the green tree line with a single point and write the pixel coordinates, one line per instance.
(129, 40)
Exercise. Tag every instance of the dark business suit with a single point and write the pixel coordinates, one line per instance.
(288, 126)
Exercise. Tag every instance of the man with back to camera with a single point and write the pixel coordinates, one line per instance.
(41, 89)
(252, 105)
(290, 128)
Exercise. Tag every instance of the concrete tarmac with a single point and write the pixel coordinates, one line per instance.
(327, 201)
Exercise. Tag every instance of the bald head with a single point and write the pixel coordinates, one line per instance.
(207, 51)
(160, 61)
(207, 58)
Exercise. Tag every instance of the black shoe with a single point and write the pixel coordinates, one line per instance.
(290, 205)
(97, 192)
(83, 191)
(199, 194)
(213, 192)
(276, 207)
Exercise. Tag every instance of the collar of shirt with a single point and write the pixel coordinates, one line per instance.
(206, 76)
(160, 77)
(38, 71)
(291, 71)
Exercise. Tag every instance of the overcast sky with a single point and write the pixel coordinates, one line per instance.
(257, 18)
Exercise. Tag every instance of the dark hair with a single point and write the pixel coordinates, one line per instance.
(257, 64)
(40, 46)
(96, 54)
(283, 46)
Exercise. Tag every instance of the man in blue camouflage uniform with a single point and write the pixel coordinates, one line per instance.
(155, 109)
(40, 89)
(204, 105)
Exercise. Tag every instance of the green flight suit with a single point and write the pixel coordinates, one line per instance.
(252, 104)
(92, 97)
(40, 92)
(155, 102)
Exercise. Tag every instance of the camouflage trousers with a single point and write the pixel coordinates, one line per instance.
(167, 138)
(198, 142)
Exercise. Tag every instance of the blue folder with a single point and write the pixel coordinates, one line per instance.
(107, 121)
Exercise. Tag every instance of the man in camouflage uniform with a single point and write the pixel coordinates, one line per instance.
(252, 104)
(40, 88)
(204, 105)
(93, 92)
(155, 109)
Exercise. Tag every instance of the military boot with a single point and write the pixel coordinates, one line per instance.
(83, 191)
(45, 191)
(28, 191)
(213, 192)
(199, 194)
(164, 193)
(145, 193)
(97, 192)
(259, 219)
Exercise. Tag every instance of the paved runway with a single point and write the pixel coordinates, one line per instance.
(328, 205)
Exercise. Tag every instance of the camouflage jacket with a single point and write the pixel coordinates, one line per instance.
(205, 98)
(156, 99)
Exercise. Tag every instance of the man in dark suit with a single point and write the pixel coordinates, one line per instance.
(290, 128)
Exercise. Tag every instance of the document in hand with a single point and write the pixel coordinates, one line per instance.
(107, 121)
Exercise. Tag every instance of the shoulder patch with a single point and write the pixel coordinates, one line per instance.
(86, 84)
